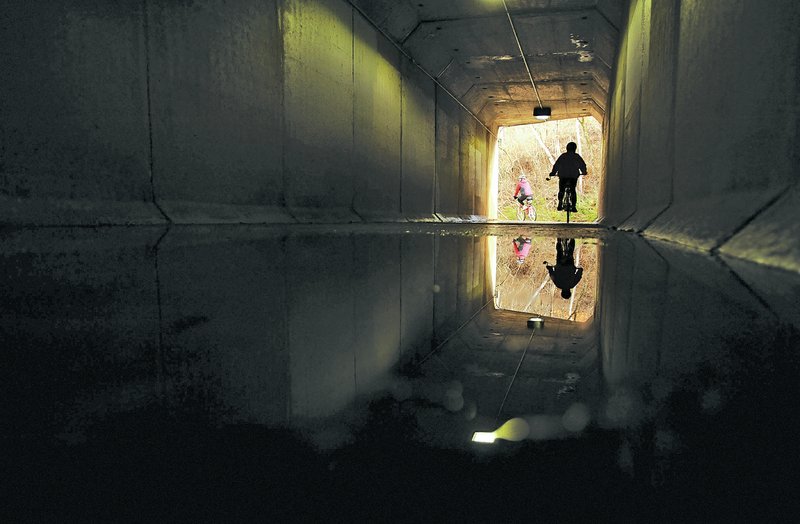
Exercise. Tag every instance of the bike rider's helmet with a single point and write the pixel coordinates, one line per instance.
(522, 176)
(572, 146)
(566, 293)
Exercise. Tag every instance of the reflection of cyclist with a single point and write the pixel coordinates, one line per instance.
(522, 246)
(568, 168)
(564, 274)
(523, 189)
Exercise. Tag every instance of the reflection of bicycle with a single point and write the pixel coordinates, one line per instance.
(567, 203)
(526, 210)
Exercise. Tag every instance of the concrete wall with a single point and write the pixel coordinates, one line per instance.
(224, 112)
(703, 127)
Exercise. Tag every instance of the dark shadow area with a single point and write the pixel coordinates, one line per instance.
(296, 375)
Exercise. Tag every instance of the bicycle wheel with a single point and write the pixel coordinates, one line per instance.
(520, 213)
(532, 213)
(568, 202)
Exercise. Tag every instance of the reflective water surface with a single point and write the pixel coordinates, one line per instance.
(342, 374)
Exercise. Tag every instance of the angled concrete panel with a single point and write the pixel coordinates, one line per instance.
(736, 117)
(73, 114)
(318, 105)
(377, 124)
(657, 139)
(772, 238)
(216, 94)
(448, 143)
(419, 143)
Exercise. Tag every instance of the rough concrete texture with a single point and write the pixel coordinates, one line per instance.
(419, 151)
(318, 68)
(469, 47)
(216, 93)
(720, 157)
(252, 112)
(448, 159)
(377, 125)
(73, 114)
(656, 147)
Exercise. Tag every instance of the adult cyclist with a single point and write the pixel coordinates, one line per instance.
(564, 274)
(568, 168)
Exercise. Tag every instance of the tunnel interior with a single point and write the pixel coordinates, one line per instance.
(254, 262)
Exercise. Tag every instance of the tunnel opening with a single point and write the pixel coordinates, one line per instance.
(532, 150)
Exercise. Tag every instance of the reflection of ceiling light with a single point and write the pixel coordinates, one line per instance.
(502, 58)
(483, 437)
(541, 113)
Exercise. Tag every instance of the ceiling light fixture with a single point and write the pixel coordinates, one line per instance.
(541, 112)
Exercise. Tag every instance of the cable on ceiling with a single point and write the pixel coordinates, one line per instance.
(522, 53)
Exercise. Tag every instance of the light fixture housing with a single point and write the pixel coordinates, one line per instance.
(542, 113)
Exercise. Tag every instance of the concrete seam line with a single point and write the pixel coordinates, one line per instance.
(160, 357)
(353, 113)
(282, 55)
(435, 192)
(454, 333)
(514, 377)
(146, 28)
(400, 182)
(780, 194)
(747, 286)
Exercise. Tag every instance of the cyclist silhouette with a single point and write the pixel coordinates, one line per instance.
(568, 168)
(564, 274)
(522, 246)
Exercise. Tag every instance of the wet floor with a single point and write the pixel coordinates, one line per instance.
(342, 373)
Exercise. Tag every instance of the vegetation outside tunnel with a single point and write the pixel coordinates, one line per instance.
(532, 149)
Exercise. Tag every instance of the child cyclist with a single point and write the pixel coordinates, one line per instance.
(523, 189)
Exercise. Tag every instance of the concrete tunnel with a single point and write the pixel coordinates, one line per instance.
(331, 111)
(185, 123)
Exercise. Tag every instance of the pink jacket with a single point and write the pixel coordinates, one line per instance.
(522, 253)
(525, 186)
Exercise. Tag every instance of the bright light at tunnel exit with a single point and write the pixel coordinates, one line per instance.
(494, 173)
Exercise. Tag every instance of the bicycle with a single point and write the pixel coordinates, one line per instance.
(526, 210)
(567, 203)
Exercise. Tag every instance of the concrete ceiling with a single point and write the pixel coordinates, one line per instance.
(468, 46)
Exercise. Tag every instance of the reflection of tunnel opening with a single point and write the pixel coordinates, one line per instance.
(532, 150)
(523, 280)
